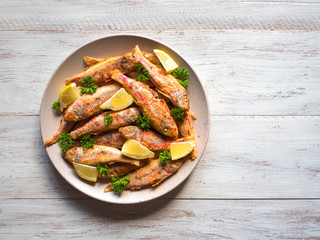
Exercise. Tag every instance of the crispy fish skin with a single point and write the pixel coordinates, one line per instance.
(97, 125)
(112, 139)
(186, 129)
(165, 83)
(89, 104)
(154, 108)
(97, 155)
(150, 139)
(119, 169)
(101, 71)
(64, 127)
(151, 174)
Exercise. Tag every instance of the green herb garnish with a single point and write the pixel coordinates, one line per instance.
(118, 184)
(144, 75)
(108, 119)
(65, 141)
(87, 141)
(88, 86)
(164, 156)
(56, 106)
(139, 67)
(103, 170)
(182, 74)
(143, 122)
(177, 114)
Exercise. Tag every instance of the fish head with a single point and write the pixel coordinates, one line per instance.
(182, 100)
(167, 129)
(74, 154)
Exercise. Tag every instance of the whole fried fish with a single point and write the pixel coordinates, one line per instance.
(151, 174)
(112, 139)
(90, 61)
(165, 83)
(148, 138)
(89, 104)
(96, 125)
(154, 108)
(97, 155)
(101, 71)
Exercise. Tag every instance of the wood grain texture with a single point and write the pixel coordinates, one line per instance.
(275, 157)
(160, 219)
(248, 73)
(259, 62)
(142, 15)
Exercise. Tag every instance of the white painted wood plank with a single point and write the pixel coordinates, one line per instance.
(246, 157)
(134, 15)
(160, 219)
(244, 72)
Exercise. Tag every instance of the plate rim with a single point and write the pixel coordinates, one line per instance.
(205, 140)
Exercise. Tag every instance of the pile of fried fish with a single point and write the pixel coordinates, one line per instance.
(152, 99)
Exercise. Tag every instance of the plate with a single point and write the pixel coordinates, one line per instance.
(107, 47)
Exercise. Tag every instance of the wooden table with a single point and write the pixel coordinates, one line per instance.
(259, 177)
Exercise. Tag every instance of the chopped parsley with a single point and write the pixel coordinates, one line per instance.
(88, 86)
(103, 170)
(118, 184)
(164, 156)
(182, 74)
(108, 119)
(56, 106)
(177, 114)
(87, 141)
(143, 122)
(65, 141)
(144, 75)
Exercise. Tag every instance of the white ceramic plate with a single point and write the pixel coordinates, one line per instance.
(107, 47)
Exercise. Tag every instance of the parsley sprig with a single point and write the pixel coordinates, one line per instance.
(177, 114)
(144, 75)
(143, 122)
(103, 170)
(182, 74)
(56, 106)
(87, 141)
(108, 119)
(164, 156)
(88, 86)
(65, 141)
(118, 184)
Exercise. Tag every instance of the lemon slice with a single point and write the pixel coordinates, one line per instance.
(166, 61)
(120, 100)
(181, 149)
(86, 172)
(68, 95)
(135, 150)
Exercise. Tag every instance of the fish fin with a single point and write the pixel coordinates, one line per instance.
(108, 188)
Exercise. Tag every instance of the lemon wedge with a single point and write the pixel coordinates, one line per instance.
(86, 172)
(181, 149)
(167, 62)
(133, 149)
(120, 100)
(68, 95)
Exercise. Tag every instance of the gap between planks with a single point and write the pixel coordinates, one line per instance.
(173, 198)
(256, 116)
